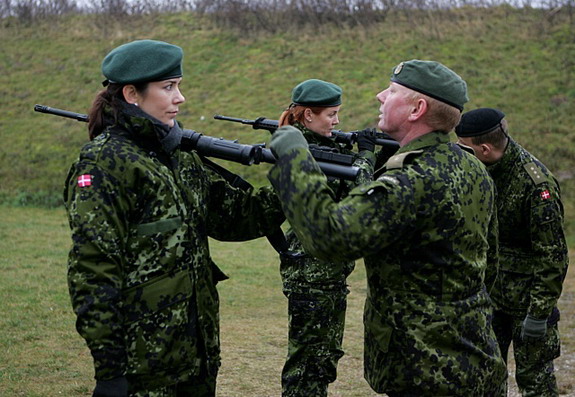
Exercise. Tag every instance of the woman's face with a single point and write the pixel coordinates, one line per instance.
(161, 100)
(324, 122)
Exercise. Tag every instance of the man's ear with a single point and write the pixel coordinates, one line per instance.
(486, 150)
(419, 109)
(130, 94)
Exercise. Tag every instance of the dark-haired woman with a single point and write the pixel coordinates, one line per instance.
(140, 276)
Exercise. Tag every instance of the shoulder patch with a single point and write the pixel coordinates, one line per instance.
(397, 160)
(535, 173)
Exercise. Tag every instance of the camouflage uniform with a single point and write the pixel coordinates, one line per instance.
(422, 228)
(533, 264)
(141, 280)
(317, 297)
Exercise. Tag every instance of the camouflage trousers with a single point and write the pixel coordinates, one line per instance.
(317, 302)
(316, 325)
(533, 358)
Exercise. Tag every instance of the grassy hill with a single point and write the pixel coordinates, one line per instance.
(521, 61)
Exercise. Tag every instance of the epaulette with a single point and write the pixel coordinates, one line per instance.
(92, 149)
(397, 160)
(535, 173)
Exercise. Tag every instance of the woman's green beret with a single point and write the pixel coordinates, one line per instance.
(316, 92)
(141, 61)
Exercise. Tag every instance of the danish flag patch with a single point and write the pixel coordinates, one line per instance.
(85, 180)
(545, 195)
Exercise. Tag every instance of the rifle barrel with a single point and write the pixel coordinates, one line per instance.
(60, 112)
(234, 119)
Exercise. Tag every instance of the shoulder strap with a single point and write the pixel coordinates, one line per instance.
(277, 238)
(535, 173)
(396, 161)
(230, 177)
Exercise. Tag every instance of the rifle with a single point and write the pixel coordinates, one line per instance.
(332, 164)
(348, 138)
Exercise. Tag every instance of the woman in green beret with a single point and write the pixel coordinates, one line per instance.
(316, 289)
(140, 276)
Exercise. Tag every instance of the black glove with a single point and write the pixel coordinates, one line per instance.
(366, 140)
(117, 387)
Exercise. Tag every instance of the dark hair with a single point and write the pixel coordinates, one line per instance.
(497, 137)
(110, 97)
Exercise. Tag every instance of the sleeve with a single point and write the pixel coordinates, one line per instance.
(370, 218)
(492, 253)
(549, 248)
(365, 161)
(236, 214)
(95, 265)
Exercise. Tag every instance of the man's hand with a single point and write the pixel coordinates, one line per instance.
(117, 387)
(285, 139)
(533, 328)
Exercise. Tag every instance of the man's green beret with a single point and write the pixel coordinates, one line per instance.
(316, 92)
(141, 61)
(479, 122)
(432, 79)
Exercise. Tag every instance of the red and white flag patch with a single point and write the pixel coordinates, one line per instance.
(545, 195)
(85, 180)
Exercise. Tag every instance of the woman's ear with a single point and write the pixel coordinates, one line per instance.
(307, 113)
(130, 94)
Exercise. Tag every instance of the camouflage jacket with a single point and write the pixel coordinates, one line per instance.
(532, 249)
(140, 276)
(304, 271)
(422, 227)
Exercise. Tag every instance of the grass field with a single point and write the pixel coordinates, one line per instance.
(42, 355)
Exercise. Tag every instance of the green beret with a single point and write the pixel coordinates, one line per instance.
(479, 122)
(432, 79)
(316, 92)
(141, 61)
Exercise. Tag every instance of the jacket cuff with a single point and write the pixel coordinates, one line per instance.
(109, 363)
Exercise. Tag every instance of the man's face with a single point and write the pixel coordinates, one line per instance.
(478, 149)
(396, 105)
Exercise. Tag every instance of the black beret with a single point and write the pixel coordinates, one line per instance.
(316, 92)
(479, 122)
(432, 79)
(141, 61)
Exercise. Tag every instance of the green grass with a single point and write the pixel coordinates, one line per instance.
(42, 355)
(521, 61)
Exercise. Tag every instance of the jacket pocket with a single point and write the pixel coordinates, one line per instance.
(378, 336)
(161, 334)
(161, 226)
(514, 281)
